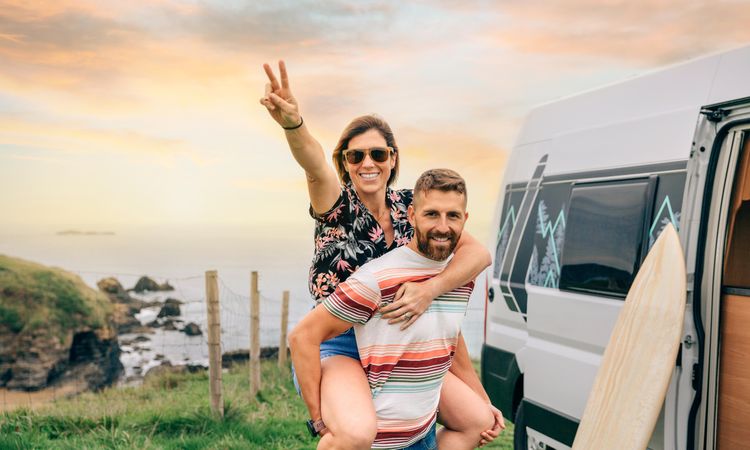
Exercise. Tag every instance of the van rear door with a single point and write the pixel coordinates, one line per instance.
(692, 403)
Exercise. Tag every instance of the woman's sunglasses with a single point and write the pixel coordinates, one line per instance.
(357, 155)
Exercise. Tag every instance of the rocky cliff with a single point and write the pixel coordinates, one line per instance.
(53, 329)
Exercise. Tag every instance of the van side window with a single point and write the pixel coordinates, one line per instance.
(606, 235)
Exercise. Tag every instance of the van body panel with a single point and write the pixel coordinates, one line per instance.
(689, 85)
(731, 80)
(663, 138)
(664, 127)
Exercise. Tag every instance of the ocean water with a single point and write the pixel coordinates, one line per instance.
(182, 256)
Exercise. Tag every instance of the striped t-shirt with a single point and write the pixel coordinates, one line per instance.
(405, 369)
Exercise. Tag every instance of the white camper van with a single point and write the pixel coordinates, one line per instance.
(590, 184)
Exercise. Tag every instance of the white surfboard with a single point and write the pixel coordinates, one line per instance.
(639, 360)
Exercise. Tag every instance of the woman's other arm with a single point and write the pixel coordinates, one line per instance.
(322, 183)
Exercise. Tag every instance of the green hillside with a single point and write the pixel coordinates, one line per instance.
(33, 296)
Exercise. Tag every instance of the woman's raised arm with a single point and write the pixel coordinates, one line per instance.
(322, 183)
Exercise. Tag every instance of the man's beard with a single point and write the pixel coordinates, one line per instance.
(433, 252)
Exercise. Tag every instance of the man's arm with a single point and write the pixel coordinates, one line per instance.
(462, 368)
(304, 343)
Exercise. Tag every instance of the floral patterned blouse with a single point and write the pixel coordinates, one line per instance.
(347, 236)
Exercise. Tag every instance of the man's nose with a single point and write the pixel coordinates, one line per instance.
(442, 224)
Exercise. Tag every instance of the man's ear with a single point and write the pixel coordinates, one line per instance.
(410, 215)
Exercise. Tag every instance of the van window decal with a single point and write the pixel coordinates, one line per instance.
(670, 217)
(515, 295)
(547, 274)
(503, 237)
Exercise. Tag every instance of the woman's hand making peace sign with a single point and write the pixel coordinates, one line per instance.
(278, 99)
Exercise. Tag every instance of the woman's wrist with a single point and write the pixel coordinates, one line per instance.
(294, 127)
(435, 287)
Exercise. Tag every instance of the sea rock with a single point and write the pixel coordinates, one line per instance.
(171, 308)
(148, 284)
(114, 290)
(125, 306)
(242, 356)
(192, 329)
(124, 318)
(166, 367)
(170, 326)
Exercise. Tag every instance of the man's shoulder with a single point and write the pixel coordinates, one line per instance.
(393, 259)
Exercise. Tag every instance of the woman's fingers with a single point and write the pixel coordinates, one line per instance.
(400, 292)
(282, 104)
(284, 76)
(408, 323)
(271, 77)
(267, 103)
(388, 311)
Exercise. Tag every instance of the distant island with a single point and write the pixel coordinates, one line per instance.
(85, 233)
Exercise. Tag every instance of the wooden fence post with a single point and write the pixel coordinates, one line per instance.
(214, 342)
(254, 334)
(284, 326)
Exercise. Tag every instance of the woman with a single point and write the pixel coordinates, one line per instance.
(359, 217)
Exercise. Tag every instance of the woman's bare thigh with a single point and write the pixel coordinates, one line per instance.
(345, 399)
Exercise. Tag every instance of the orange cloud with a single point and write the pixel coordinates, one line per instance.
(639, 31)
(77, 138)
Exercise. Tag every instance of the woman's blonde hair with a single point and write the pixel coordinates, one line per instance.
(359, 126)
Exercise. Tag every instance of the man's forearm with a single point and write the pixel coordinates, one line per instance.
(306, 360)
(463, 369)
(469, 260)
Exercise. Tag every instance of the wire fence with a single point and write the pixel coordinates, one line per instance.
(155, 329)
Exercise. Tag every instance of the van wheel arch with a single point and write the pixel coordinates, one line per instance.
(520, 438)
(517, 395)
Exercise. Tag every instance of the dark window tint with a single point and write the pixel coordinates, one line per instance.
(604, 239)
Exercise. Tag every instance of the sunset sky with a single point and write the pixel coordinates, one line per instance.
(116, 115)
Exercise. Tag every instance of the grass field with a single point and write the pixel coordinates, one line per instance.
(171, 412)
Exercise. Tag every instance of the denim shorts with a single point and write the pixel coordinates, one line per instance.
(345, 344)
(428, 442)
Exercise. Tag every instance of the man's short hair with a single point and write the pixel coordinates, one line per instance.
(445, 180)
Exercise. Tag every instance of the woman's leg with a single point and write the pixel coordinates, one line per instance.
(464, 415)
(346, 405)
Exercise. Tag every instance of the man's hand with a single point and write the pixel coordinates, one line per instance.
(490, 435)
(278, 98)
(410, 301)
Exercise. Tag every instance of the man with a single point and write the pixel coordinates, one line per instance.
(405, 369)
